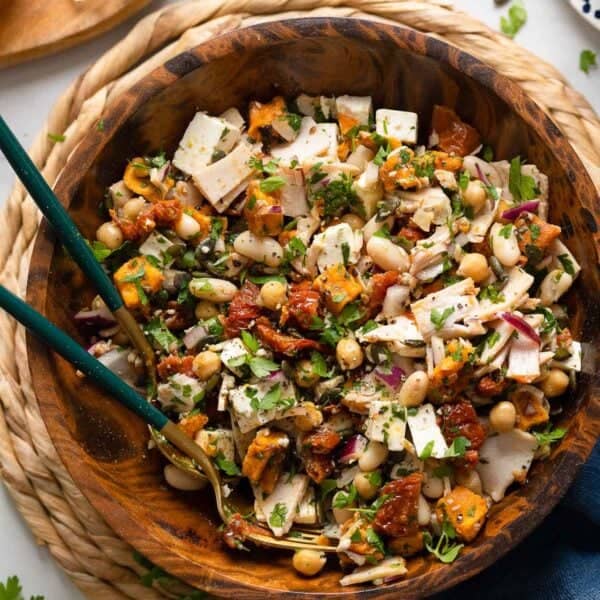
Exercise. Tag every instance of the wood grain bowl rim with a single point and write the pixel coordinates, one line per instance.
(256, 36)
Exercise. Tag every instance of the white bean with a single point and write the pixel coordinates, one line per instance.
(181, 480)
(261, 249)
(424, 511)
(374, 456)
(414, 389)
(555, 284)
(387, 255)
(133, 207)
(373, 226)
(505, 244)
(110, 235)
(433, 487)
(364, 486)
(187, 227)
(215, 290)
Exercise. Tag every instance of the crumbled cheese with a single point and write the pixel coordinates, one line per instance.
(358, 108)
(387, 424)
(156, 244)
(424, 430)
(180, 393)
(330, 246)
(217, 442)
(315, 140)
(397, 124)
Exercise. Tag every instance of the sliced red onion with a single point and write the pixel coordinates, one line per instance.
(194, 336)
(352, 449)
(275, 376)
(117, 361)
(521, 325)
(162, 172)
(482, 175)
(98, 318)
(276, 209)
(392, 379)
(512, 213)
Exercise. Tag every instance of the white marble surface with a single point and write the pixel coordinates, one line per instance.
(28, 91)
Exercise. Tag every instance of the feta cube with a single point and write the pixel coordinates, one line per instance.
(218, 180)
(357, 108)
(306, 513)
(217, 442)
(203, 137)
(426, 433)
(156, 245)
(397, 124)
(369, 190)
(181, 393)
(232, 350)
(387, 424)
(234, 118)
(329, 245)
(314, 140)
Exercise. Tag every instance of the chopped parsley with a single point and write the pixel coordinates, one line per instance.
(272, 184)
(319, 366)
(438, 318)
(278, 515)
(294, 120)
(458, 447)
(445, 550)
(522, 187)
(250, 341)
(587, 60)
(567, 264)
(505, 231)
(345, 499)
(427, 450)
(100, 250)
(338, 196)
(56, 137)
(160, 334)
(261, 367)
(549, 435)
(227, 466)
(516, 18)
(463, 180)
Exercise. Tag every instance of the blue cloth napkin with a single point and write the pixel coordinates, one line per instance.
(560, 560)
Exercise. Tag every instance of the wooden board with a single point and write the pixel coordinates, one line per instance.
(33, 28)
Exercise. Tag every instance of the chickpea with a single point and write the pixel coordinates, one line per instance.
(433, 487)
(503, 417)
(187, 227)
(110, 235)
(475, 195)
(475, 266)
(205, 310)
(349, 354)
(273, 294)
(363, 482)
(355, 222)
(470, 479)
(308, 562)
(341, 515)
(424, 511)
(304, 374)
(206, 364)
(373, 457)
(132, 208)
(555, 384)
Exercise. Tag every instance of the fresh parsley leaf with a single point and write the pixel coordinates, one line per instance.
(345, 253)
(426, 452)
(522, 187)
(319, 366)
(100, 125)
(375, 540)
(56, 137)
(338, 196)
(227, 466)
(567, 264)
(294, 120)
(100, 250)
(369, 326)
(278, 515)
(272, 398)
(345, 499)
(250, 341)
(549, 436)
(382, 154)
(438, 318)
(12, 590)
(327, 486)
(458, 447)
(295, 248)
(505, 231)
(160, 334)
(488, 153)
(158, 161)
(383, 232)
(587, 60)
(516, 18)
(272, 184)
(445, 551)
(535, 232)
(260, 279)
(491, 293)
(463, 180)
(261, 367)
(375, 478)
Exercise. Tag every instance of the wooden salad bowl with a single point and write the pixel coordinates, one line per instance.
(105, 448)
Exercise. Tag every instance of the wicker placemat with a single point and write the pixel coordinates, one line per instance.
(96, 559)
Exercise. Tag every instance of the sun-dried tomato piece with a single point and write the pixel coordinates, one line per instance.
(397, 516)
(175, 364)
(303, 303)
(280, 342)
(454, 135)
(492, 385)
(564, 339)
(318, 466)
(411, 234)
(164, 214)
(322, 440)
(237, 530)
(179, 316)
(378, 286)
(460, 419)
(242, 310)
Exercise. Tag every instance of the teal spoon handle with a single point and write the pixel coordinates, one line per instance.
(61, 343)
(58, 217)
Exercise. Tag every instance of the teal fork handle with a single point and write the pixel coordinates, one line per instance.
(58, 217)
(61, 343)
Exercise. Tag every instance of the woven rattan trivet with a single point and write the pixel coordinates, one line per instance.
(96, 559)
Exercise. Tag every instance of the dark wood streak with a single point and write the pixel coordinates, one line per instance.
(399, 67)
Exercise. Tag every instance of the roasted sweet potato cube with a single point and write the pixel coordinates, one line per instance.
(338, 286)
(137, 273)
(193, 424)
(263, 210)
(407, 545)
(464, 510)
(263, 447)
